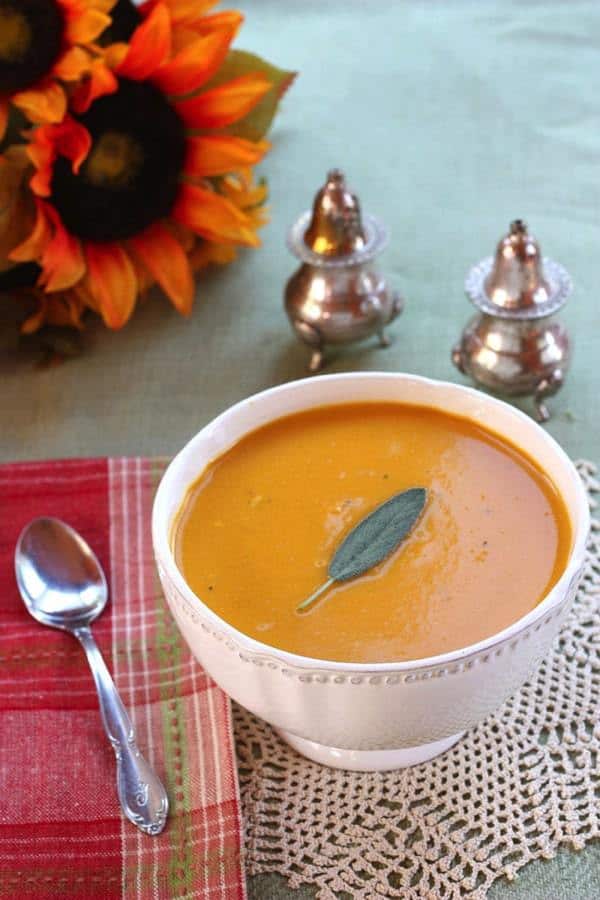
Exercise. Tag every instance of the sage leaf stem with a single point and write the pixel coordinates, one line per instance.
(310, 600)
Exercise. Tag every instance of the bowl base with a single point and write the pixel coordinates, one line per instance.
(368, 760)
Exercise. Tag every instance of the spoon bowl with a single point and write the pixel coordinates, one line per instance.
(60, 579)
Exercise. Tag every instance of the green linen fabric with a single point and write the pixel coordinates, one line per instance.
(450, 119)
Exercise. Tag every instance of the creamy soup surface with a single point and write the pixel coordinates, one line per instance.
(257, 530)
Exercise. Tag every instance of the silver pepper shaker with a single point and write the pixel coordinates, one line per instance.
(336, 296)
(515, 345)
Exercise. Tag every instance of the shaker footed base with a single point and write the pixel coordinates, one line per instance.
(369, 760)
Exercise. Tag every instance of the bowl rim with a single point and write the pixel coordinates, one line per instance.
(165, 558)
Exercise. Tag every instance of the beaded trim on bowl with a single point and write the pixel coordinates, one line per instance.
(320, 676)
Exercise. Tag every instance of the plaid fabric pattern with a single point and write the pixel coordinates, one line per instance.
(62, 834)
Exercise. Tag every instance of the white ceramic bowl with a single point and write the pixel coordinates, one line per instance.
(359, 715)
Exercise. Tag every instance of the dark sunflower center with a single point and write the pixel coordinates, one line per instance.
(31, 34)
(131, 175)
(114, 160)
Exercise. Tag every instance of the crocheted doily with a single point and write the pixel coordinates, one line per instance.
(512, 790)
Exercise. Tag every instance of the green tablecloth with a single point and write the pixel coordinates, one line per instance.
(450, 119)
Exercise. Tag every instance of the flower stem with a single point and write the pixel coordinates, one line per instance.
(310, 600)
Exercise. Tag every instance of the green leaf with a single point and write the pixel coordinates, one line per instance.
(373, 539)
(255, 125)
(376, 536)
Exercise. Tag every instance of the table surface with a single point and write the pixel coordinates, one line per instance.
(450, 120)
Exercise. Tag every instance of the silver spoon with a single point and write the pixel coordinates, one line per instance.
(62, 584)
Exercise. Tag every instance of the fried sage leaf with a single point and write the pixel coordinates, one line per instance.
(373, 539)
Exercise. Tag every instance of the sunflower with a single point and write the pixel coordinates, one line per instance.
(132, 173)
(43, 44)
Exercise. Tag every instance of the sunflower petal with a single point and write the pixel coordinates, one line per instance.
(142, 275)
(229, 18)
(42, 155)
(206, 253)
(62, 260)
(243, 191)
(195, 64)
(46, 103)
(82, 292)
(58, 252)
(190, 9)
(185, 10)
(221, 154)
(83, 23)
(212, 216)
(101, 81)
(35, 321)
(185, 34)
(17, 211)
(32, 247)
(114, 54)
(184, 235)
(69, 139)
(111, 281)
(65, 310)
(104, 6)
(74, 63)
(225, 104)
(59, 255)
(149, 46)
(163, 256)
(257, 122)
(74, 142)
(3, 116)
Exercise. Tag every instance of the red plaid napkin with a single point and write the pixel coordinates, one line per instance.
(62, 834)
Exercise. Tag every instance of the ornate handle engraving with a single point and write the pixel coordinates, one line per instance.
(141, 797)
(141, 793)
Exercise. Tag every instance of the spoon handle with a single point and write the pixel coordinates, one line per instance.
(142, 795)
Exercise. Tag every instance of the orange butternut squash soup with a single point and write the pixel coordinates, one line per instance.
(257, 532)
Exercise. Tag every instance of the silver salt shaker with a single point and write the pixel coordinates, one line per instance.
(516, 345)
(336, 296)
